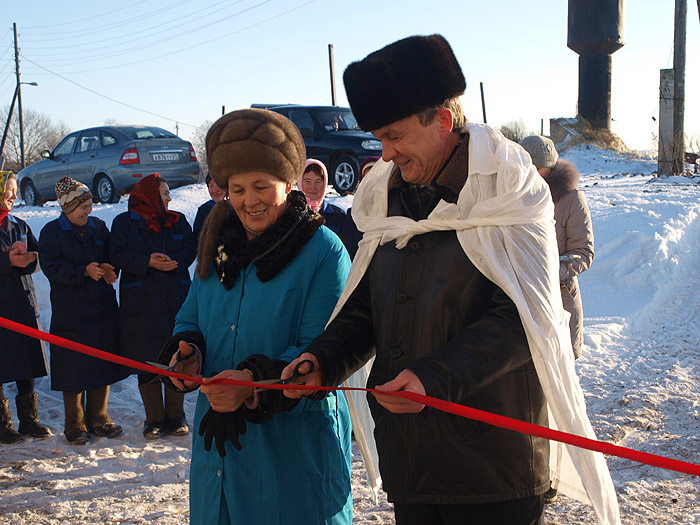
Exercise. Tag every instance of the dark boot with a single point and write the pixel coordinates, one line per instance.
(152, 396)
(8, 435)
(28, 414)
(76, 429)
(99, 422)
(175, 413)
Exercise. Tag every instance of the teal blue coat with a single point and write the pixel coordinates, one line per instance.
(294, 469)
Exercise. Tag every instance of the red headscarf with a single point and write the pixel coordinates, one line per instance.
(145, 200)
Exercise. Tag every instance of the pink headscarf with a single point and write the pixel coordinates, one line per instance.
(315, 204)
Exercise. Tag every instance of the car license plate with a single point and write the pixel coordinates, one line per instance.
(165, 156)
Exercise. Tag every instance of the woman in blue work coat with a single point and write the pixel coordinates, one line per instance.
(154, 248)
(268, 277)
(73, 256)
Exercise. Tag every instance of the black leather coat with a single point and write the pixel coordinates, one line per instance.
(427, 308)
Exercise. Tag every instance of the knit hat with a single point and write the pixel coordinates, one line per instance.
(541, 150)
(254, 140)
(4, 177)
(402, 79)
(71, 194)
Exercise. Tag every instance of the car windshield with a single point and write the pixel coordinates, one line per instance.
(146, 132)
(337, 120)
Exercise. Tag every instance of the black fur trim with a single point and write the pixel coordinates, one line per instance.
(270, 402)
(563, 178)
(273, 249)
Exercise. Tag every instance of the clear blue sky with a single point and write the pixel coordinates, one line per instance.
(181, 60)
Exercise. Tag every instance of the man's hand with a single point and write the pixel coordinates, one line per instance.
(314, 378)
(189, 365)
(227, 398)
(405, 381)
(109, 275)
(162, 262)
(93, 271)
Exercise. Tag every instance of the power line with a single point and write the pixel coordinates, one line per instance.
(131, 63)
(102, 56)
(90, 17)
(107, 97)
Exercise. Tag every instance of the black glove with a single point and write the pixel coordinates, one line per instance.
(220, 426)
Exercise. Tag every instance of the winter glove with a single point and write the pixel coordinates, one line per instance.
(222, 426)
(564, 270)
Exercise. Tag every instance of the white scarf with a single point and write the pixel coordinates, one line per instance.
(504, 219)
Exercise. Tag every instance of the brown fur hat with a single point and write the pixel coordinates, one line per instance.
(254, 140)
(402, 79)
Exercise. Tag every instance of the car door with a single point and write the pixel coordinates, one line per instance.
(316, 147)
(54, 168)
(81, 165)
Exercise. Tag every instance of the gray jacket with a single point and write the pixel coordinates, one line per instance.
(575, 242)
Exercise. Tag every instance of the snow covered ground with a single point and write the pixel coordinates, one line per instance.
(640, 372)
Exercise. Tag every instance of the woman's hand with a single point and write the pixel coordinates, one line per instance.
(227, 398)
(20, 257)
(94, 271)
(190, 365)
(109, 275)
(162, 262)
(406, 381)
(314, 378)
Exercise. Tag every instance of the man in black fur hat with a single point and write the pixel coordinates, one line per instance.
(454, 289)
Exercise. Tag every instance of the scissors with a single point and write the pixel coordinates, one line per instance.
(178, 360)
(290, 380)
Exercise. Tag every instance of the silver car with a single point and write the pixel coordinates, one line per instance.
(110, 160)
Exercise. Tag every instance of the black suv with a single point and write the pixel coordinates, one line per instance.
(331, 135)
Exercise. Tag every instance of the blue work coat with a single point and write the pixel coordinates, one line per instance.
(148, 298)
(82, 309)
(295, 468)
(202, 214)
(341, 223)
(22, 357)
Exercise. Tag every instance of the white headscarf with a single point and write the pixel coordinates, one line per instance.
(504, 219)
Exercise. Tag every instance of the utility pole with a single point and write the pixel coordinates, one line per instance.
(679, 31)
(19, 100)
(332, 69)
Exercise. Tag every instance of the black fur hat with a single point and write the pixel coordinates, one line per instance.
(402, 79)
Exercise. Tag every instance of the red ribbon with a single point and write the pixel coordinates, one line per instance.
(439, 404)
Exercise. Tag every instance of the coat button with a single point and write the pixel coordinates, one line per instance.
(396, 352)
(233, 326)
(401, 297)
(414, 245)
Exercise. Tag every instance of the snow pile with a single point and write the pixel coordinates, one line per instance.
(640, 372)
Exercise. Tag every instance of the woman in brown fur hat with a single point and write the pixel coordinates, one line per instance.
(268, 276)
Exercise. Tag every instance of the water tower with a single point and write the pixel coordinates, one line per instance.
(595, 33)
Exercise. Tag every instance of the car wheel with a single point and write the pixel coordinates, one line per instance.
(30, 195)
(106, 192)
(345, 175)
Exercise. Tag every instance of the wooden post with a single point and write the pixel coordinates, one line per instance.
(332, 70)
(679, 85)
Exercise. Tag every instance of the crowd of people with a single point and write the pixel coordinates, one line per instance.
(453, 275)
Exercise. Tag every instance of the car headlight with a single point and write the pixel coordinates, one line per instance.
(372, 144)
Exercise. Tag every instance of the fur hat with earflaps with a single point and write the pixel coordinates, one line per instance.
(71, 194)
(254, 140)
(402, 79)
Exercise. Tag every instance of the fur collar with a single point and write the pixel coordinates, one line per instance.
(563, 179)
(270, 252)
